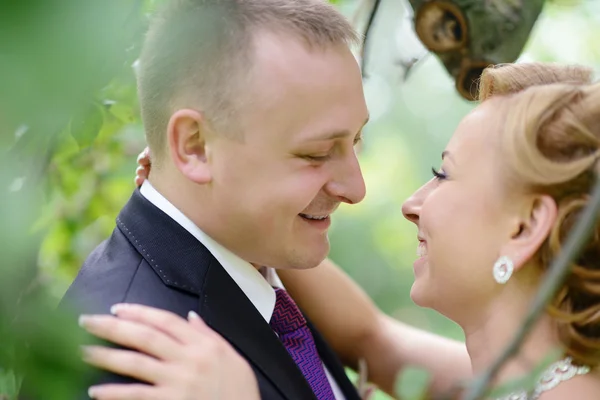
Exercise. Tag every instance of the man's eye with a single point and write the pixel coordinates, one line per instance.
(357, 140)
(317, 158)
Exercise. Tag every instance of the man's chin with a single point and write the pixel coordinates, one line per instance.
(311, 256)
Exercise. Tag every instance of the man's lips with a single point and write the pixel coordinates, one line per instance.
(319, 221)
(319, 214)
(315, 217)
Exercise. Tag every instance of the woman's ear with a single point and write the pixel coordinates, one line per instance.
(186, 135)
(531, 229)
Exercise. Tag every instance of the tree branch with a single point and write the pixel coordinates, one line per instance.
(554, 278)
(376, 4)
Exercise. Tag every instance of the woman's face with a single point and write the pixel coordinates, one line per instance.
(463, 220)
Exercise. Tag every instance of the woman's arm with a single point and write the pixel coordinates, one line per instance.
(356, 329)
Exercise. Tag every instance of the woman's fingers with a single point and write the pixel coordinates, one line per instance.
(144, 164)
(132, 335)
(141, 173)
(200, 364)
(125, 362)
(127, 392)
(143, 158)
(164, 321)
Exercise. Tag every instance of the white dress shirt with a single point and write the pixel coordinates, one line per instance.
(257, 286)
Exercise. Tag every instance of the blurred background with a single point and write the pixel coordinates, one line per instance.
(71, 132)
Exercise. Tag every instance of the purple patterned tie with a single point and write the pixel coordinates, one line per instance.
(290, 325)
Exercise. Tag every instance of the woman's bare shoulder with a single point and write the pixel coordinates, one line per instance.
(585, 387)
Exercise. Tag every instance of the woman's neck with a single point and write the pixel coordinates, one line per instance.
(488, 338)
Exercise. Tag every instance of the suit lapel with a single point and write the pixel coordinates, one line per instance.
(334, 365)
(182, 262)
(228, 311)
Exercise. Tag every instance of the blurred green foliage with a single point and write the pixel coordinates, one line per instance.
(58, 60)
(70, 129)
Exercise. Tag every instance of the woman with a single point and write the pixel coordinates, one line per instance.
(513, 180)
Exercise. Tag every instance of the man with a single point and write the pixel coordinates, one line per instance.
(251, 109)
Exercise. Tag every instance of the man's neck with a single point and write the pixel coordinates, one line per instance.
(172, 191)
(177, 192)
(256, 284)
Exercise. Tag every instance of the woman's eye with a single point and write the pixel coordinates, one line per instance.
(439, 175)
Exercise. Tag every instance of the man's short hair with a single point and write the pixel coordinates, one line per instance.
(197, 54)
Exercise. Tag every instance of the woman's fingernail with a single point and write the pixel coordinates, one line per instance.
(85, 352)
(193, 315)
(114, 310)
(84, 320)
(92, 391)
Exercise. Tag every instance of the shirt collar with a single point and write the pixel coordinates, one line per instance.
(257, 286)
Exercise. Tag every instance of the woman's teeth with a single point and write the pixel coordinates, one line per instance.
(422, 250)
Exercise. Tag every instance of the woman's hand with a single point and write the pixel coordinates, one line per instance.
(178, 359)
(144, 164)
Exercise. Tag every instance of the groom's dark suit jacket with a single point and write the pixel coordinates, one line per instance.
(150, 259)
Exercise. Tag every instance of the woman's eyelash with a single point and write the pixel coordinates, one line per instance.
(438, 175)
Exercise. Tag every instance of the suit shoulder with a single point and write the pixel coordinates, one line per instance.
(105, 276)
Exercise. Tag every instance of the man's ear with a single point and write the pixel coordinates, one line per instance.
(186, 135)
(531, 229)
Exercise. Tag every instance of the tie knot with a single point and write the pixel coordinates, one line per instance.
(287, 317)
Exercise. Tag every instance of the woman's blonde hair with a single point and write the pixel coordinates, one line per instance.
(551, 144)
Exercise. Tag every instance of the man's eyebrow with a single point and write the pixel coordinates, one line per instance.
(338, 134)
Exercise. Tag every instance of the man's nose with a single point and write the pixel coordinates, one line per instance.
(348, 184)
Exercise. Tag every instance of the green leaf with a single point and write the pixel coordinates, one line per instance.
(124, 112)
(85, 126)
(9, 384)
(412, 383)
